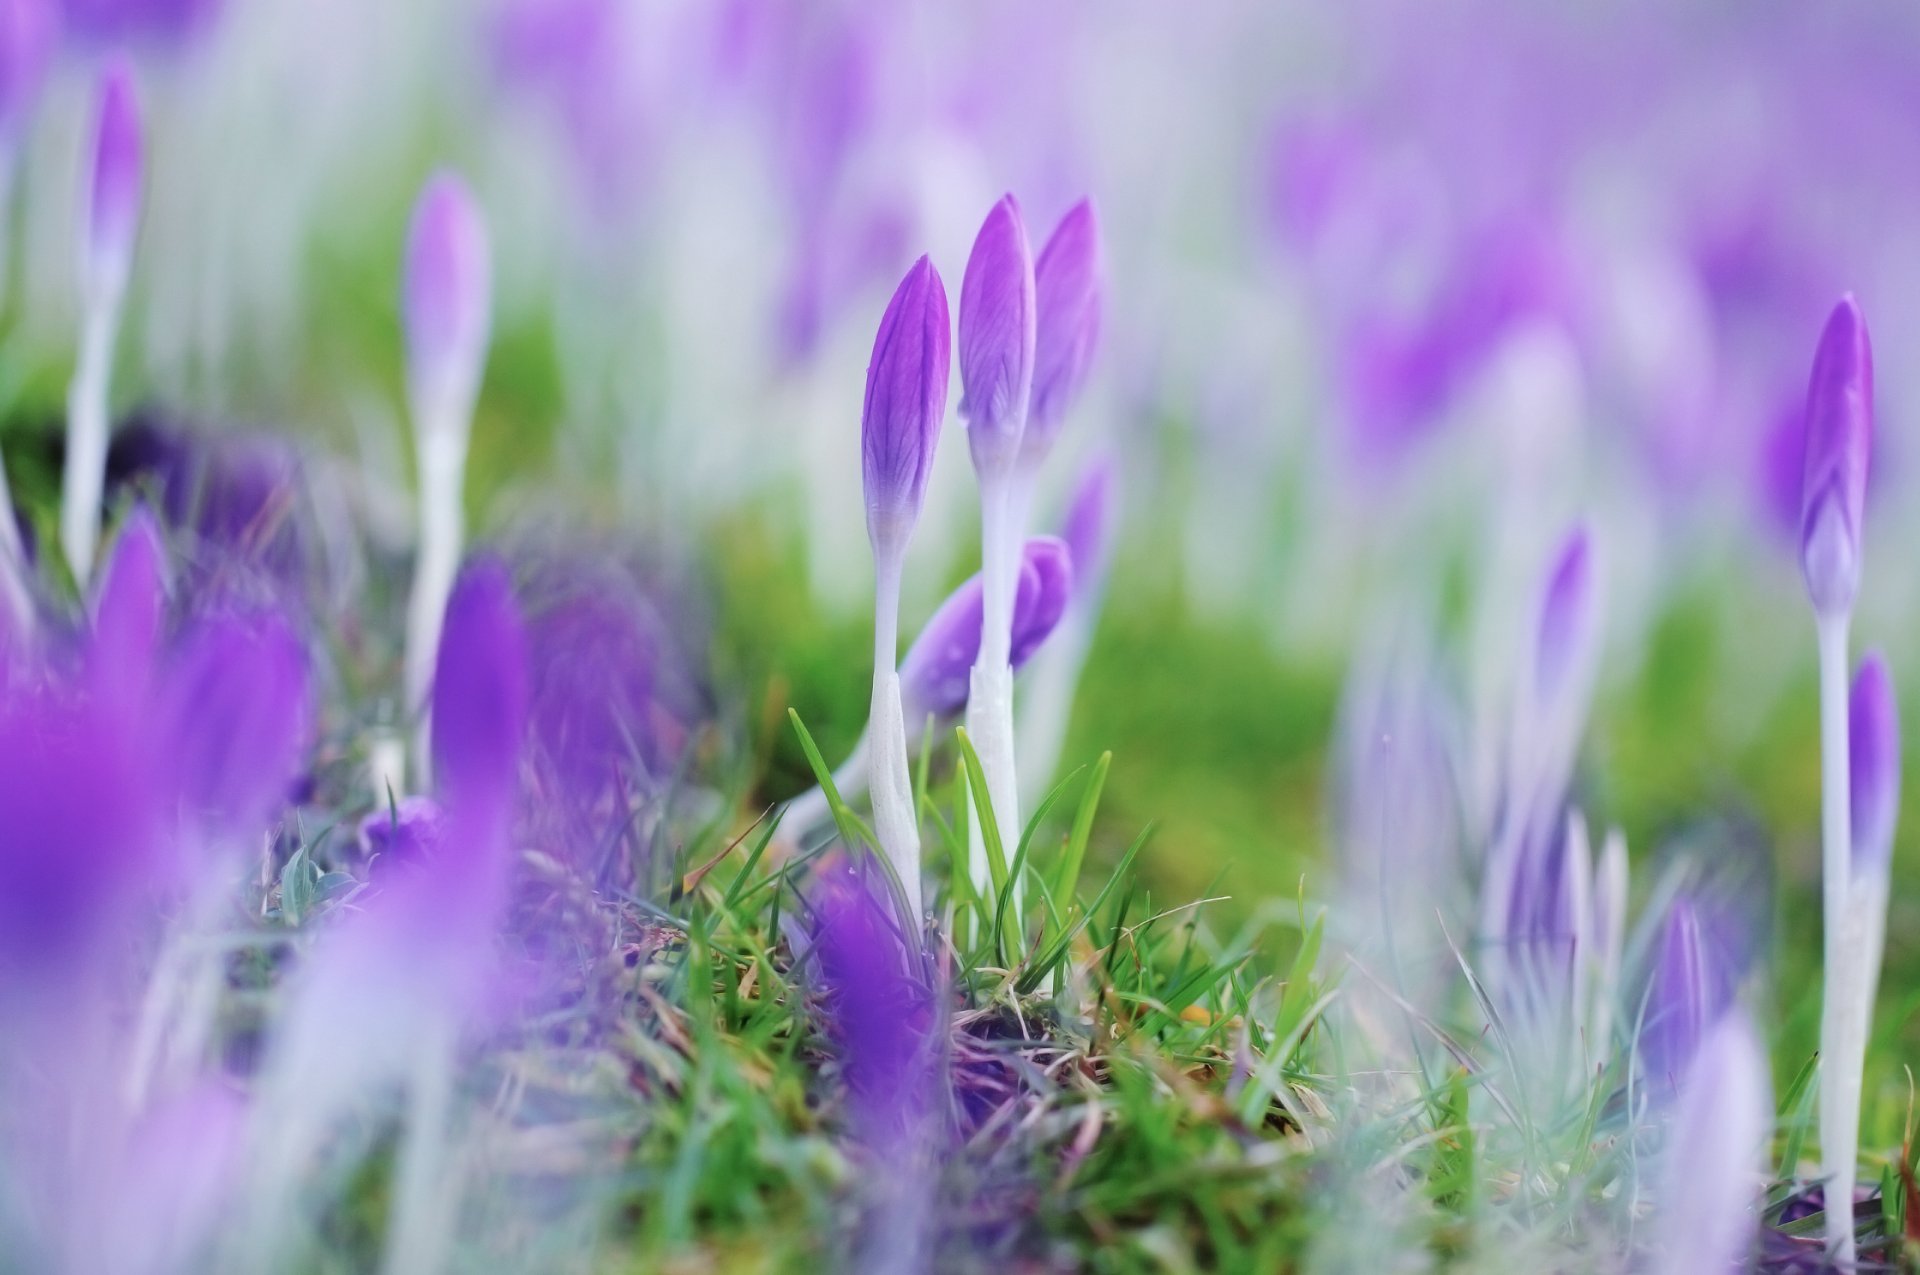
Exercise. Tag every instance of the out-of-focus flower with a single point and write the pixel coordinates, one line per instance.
(1568, 619)
(906, 403)
(1089, 525)
(405, 832)
(235, 719)
(1715, 1152)
(1874, 758)
(997, 338)
(934, 673)
(27, 31)
(1067, 288)
(1839, 446)
(115, 22)
(129, 610)
(1690, 986)
(447, 294)
(115, 174)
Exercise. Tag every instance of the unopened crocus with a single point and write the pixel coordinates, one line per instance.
(997, 334)
(1833, 503)
(1552, 710)
(906, 402)
(129, 609)
(1706, 1212)
(1067, 288)
(446, 307)
(1858, 934)
(110, 218)
(1689, 986)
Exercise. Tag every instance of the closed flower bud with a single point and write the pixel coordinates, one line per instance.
(448, 290)
(1874, 752)
(114, 177)
(934, 677)
(905, 405)
(480, 694)
(1839, 443)
(997, 336)
(1067, 288)
(1568, 617)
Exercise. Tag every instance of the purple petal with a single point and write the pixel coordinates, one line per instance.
(108, 23)
(114, 180)
(236, 718)
(1715, 1156)
(1839, 441)
(1089, 525)
(480, 692)
(905, 405)
(407, 832)
(1874, 753)
(997, 336)
(129, 608)
(447, 301)
(935, 675)
(1567, 617)
(78, 830)
(1067, 289)
(881, 1015)
(26, 48)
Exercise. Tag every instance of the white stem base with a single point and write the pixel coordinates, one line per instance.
(887, 775)
(1840, 1018)
(85, 475)
(990, 727)
(443, 461)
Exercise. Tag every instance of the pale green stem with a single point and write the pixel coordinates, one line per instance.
(86, 469)
(1839, 1064)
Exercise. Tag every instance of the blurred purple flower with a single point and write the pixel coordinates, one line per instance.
(1874, 757)
(27, 34)
(408, 831)
(934, 676)
(906, 404)
(1067, 287)
(1089, 526)
(1690, 985)
(80, 821)
(113, 190)
(107, 23)
(129, 610)
(1839, 447)
(882, 1016)
(447, 293)
(1568, 615)
(235, 719)
(480, 700)
(996, 339)
(1706, 1207)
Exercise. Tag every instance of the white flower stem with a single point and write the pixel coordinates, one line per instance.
(443, 462)
(86, 468)
(887, 773)
(1842, 1024)
(13, 564)
(426, 1182)
(990, 693)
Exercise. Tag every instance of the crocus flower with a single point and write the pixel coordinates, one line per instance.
(906, 403)
(1706, 1214)
(115, 22)
(1066, 281)
(111, 215)
(445, 305)
(899, 427)
(997, 338)
(129, 609)
(1690, 986)
(1839, 443)
(934, 674)
(27, 30)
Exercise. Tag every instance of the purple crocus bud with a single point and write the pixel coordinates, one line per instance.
(997, 337)
(935, 675)
(1089, 524)
(109, 23)
(26, 48)
(881, 1015)
(1567, 618)
(411, 829)
(1066, 289)
(1715, 1153)
(480, 692)
(114, 179)
(235, 718)
(1682, 998)
(129, 607)
(905, 405)
(448, 289)
(1839, 442)
(1874, 753)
